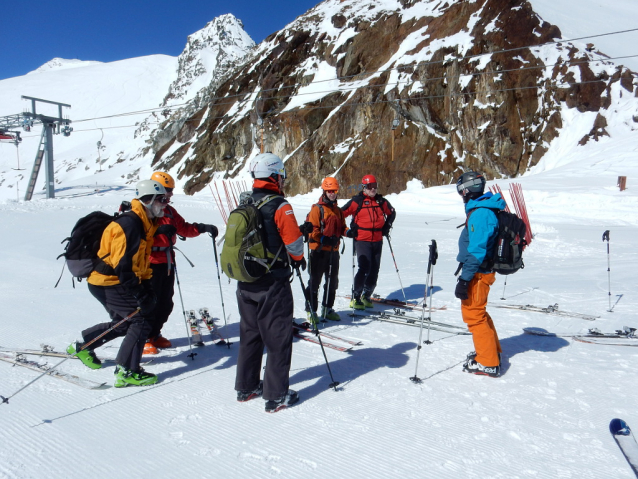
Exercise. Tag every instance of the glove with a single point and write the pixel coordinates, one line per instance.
(329, 240)
(461, 289)
(386, 229)
(212, 229)
(146, 299)
(353, 232)
(298, 263)
(167, 230)
(306, 228)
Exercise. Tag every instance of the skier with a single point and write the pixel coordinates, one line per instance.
(475, 245)
(328, 225)
(162, 261)
(266, 305)
(372, 218)
(121, 283)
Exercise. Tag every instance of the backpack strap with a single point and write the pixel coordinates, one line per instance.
(100, 265)
(322, 224)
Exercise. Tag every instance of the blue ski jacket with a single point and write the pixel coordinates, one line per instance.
(477, 238)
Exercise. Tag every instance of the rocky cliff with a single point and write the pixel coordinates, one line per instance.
(402, 89)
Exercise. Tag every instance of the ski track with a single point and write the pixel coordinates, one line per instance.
(546, 417)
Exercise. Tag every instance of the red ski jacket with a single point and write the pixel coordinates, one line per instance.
(369, 215)
(160, 253)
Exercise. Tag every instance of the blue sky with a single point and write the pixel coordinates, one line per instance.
(119, 29)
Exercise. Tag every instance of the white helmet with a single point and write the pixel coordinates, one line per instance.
(266, 164)
(150, 188)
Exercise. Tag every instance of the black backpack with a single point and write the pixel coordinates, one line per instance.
(510, 242)
(80, 252)
(507, 256)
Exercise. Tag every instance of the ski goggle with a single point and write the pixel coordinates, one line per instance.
(332, 191)
(370, 186)
(468, 184)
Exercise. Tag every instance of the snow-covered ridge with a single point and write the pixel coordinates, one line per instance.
(62, 64)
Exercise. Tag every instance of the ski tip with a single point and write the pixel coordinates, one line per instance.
(618, 427)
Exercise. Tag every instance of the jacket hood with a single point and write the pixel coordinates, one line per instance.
(488, 200)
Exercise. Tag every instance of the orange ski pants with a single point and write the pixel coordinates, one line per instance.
(478, 320)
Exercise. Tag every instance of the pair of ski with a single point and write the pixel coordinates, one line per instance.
(304, 331)
(551, 309)
(19, 357)
(400, 317)
(376, 299)
(621, 337)
(208, 322)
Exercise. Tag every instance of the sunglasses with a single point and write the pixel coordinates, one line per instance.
(168, 190)
(332, 191)
(162, 199)
(370, 186)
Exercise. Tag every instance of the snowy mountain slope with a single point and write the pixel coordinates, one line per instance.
(100, 93)
(592, 17)
(545, 417)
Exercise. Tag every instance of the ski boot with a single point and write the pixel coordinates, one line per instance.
(477, 368)
(125, 377)
(274, 405)
(357, 304)
(365, 299)
(161, 342)
(330, 314)
(88, 357)
(149, 348)
(243, 396)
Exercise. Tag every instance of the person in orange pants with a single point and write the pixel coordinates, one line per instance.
(476, 245)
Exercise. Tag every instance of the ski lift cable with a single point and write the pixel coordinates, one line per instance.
(381, 102)
(354, 88)
(468, 58)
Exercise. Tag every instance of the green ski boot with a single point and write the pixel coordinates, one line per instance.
(312, 318)
(357, 304)
(330, 314)
(365, 299)
(87, 356)
(125, 377)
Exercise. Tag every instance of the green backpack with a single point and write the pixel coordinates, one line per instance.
(244, 255)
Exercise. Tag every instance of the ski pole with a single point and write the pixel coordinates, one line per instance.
(606, 238)
(434, 254)
(354, 318)
(5, 400)
(221, 295)
(334, 383)
(181, 298)
(397, 268)
(504, 286)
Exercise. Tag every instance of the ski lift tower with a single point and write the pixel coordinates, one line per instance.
(50, 125)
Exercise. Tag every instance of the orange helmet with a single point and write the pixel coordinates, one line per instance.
(163, 179)
(330, 184)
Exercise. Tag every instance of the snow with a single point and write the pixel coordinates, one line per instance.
(546, 416)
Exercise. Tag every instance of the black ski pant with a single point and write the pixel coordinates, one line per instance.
(265, 320)
(163, 283)
(320, 267)
(369, 261)
(119, 304)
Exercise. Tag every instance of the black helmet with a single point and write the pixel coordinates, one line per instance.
(470, 185)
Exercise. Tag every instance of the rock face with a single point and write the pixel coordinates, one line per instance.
(401, 89)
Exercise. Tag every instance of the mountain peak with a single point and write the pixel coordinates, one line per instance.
(62, 64)
(209, 53)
